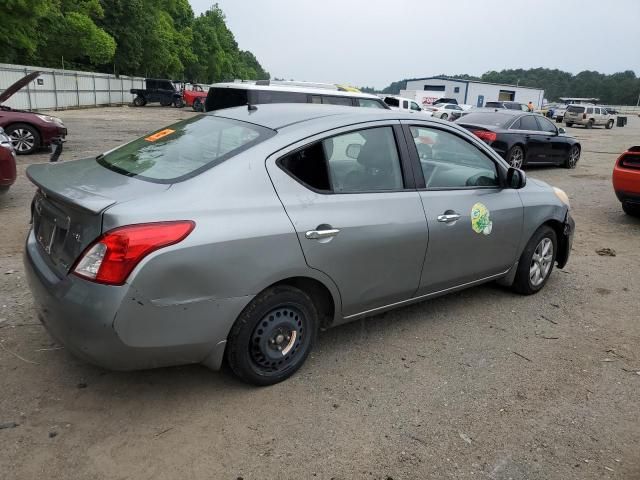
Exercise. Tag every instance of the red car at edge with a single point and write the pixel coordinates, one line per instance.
(626, 180)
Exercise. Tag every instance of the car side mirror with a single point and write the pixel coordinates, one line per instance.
(561, 131)
(353, 150)
(516, 178)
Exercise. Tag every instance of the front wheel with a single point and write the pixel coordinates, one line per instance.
(444, 116)
(273, 336)
(197, 105)
(574, 155)
(25, 138)
(178, 102)
(536, 262)
(609, 125)
(569, 124)
(515, 157)
(589, 124)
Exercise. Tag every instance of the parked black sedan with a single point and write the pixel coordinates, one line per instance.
(523, 138)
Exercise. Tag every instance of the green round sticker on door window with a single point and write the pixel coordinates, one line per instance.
(481, 219)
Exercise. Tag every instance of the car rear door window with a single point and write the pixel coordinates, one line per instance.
(369, 103)
(345, 101)
(590, 110)
(184, 149)
(405, 104)
(546, 126)
(450, 162)
(268, 96)
(528, 122)
(360, 161)
(517, 125)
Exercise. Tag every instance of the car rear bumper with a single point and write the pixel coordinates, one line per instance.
(114, 328)
(7, 168)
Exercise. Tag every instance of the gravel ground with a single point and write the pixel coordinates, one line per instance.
(482, 384)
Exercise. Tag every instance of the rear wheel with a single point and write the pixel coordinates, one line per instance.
(515, 157)
(273, 336)
(197, 105)
(444, 116)
(25, 138)
(536, 262)
(609, 125)
(569, 124)
(574, 155)
(589, 124)
(631, 209)
(139, 101)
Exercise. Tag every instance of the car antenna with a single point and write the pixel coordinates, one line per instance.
(251, 108)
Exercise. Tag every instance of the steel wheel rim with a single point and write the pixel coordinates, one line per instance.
(541, 262)
(516, 158)
(574, 156)
(277, 339)
(23, 140)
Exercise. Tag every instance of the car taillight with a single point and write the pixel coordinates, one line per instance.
(485, 135)
(630, 160)
(111, 258)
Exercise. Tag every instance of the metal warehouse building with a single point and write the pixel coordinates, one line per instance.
(427, 90)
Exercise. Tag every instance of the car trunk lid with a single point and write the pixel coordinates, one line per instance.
(71, 199)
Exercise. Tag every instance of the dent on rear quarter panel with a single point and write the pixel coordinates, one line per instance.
(243, 242)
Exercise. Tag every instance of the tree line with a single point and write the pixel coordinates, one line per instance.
(149, 38)
(620, 88)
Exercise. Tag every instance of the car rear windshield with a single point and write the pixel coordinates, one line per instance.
(493, 119)
(575, 109)
(184, 149)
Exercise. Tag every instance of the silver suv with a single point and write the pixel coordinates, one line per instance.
(588, 115)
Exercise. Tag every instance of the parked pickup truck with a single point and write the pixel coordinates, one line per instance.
(195, 96)
(158, 90)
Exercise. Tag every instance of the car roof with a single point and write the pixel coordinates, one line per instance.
(500, 111)
(286, 88)
(277, 116)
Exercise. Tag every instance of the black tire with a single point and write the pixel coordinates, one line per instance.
(255, 349)
(569, 124)
(573, 158)
(197, 105)
(139, 101)
(589, 124)
(25, 138)
(631, 209)
(515, 156)
(3, 189)
(609, 125)
(166, 102)
(178, 103)
(444, 116)
(523, 283)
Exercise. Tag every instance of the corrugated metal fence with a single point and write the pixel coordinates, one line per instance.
(59, 89)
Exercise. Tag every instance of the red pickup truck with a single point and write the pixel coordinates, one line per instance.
(195, 97)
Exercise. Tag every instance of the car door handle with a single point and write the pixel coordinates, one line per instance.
(319, 234)
(448, 217)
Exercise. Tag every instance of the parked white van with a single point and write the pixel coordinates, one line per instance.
(404, 104)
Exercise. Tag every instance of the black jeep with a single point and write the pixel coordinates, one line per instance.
(158, 90)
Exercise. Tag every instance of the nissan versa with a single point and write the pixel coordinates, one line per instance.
(235, 236)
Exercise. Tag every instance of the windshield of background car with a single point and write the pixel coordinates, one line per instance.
(575, 109)
(184, 149)
(493, 119)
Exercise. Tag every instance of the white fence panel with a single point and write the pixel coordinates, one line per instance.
(59, 89)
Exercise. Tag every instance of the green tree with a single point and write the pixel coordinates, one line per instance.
(19, 30)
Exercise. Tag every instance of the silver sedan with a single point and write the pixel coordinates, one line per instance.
(237, 236)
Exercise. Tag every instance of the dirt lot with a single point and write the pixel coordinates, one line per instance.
(480, 384)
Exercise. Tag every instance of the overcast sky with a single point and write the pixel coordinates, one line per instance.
(375, 42)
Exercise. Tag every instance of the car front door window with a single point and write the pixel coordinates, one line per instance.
(448, 161)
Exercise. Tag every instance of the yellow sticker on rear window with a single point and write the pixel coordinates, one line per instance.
(159, 135)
